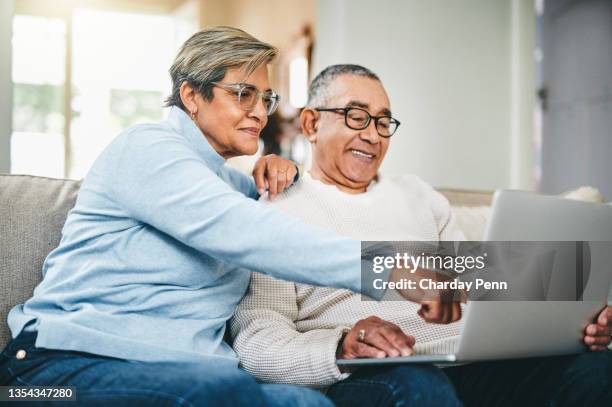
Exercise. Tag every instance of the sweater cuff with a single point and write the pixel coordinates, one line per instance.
(330, 355)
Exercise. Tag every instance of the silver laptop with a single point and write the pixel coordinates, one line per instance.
(512, 329)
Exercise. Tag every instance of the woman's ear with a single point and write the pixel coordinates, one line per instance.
(309, 120)
(188, 97)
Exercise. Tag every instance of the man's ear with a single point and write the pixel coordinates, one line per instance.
(309, 120)
(188, 97)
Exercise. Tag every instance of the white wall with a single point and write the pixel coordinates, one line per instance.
(454, 79)
(6, 87)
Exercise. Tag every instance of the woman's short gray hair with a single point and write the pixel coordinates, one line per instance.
(205, 57)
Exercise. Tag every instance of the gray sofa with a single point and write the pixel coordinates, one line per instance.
(32, 213)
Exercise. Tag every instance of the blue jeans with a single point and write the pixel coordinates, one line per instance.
(103, 381)
(575, 380)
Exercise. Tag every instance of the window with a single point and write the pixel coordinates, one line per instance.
(116, 64)
(37, 145)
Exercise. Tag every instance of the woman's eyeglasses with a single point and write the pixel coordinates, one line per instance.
(248, 96)
(358, 119)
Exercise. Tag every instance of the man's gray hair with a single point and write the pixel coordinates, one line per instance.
(208, 54)
(317, 93)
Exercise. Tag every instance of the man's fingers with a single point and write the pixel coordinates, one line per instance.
(376, 339)
(605, 317)
(363, 350)
(598, 330)
(596, 348)
(259, 175)
(597, 340)
(398, 340)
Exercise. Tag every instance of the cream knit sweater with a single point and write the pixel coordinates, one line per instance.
(288, 333)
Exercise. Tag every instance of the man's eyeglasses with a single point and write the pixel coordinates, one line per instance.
(358, 119)
(248, 96)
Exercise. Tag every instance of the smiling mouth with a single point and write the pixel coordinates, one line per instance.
(362, 155)
(252, 131)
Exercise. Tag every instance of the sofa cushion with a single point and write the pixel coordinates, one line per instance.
(32, 213)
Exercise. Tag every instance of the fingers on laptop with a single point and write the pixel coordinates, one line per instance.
(605, 317)
(390, 338)
(376, 338)
(598, 335)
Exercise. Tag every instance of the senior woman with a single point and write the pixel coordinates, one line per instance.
(133, 303)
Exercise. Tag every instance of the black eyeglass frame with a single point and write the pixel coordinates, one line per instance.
(345, 111)
(237, 88)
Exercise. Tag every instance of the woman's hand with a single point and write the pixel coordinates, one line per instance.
(438, 306)
(375, 338)
(274, 174)
(597, 335)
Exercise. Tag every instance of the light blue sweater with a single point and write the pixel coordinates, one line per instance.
(153, 258)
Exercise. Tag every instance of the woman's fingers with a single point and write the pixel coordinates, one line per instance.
(273, 174)
(281, 182)
(259, 172)
(286, 175)
(291, 173)
(439, 312)
(456, 311)
(431, 311)
(272, 177)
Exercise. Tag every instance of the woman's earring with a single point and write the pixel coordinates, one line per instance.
(192, 114)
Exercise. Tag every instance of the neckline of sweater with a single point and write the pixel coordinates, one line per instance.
(333, 188)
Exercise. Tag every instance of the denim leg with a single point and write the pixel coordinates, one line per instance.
(294, 396)
(573, 380)
(407, 385)
(102, 381)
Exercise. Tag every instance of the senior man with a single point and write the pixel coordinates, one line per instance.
(293, 333)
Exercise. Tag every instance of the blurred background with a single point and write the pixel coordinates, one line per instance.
(490, 93)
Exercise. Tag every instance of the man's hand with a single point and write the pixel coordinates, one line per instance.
(378, 339)
(437, 306)
(274, 174)
(597, 335)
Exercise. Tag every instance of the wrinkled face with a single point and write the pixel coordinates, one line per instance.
(350, 158)
(230, 130)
